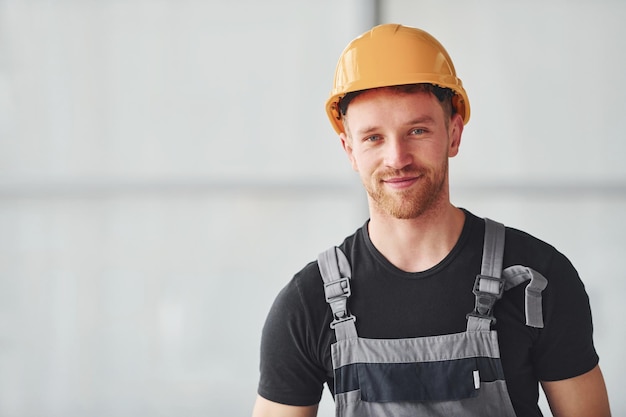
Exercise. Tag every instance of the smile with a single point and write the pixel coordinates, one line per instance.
(400, 182)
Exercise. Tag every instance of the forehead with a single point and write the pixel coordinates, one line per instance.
(383, 105)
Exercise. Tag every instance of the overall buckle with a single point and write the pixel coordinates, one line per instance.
(337, 293)
(493, 288)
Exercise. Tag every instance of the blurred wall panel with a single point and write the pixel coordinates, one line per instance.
(165, 168)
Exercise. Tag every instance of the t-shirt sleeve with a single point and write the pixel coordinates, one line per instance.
(290, 372)
(565, 346)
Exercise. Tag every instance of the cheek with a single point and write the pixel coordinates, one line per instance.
(365, 163)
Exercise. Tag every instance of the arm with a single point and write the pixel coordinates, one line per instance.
(292, 370)
(267, 408)
(581, 396)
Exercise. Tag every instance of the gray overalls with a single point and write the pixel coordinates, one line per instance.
(449, 375)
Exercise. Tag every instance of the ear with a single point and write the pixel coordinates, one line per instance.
(455, 132)
(347, 147)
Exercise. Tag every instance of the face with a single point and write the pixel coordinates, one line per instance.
(399, 143)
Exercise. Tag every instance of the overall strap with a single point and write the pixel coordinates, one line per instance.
(336, 273)
(515, 275)
(489, 285)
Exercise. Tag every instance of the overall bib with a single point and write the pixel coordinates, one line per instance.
(449, 375)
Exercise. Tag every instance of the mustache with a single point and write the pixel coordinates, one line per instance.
(408, 171)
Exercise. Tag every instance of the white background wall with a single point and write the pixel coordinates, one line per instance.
(166, 166)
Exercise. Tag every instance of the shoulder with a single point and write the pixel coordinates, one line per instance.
(302, 299)
(297, 297)
(522, 248)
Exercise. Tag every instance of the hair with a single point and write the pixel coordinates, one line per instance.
(443, 94)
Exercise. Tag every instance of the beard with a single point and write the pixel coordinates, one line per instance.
(414, 201)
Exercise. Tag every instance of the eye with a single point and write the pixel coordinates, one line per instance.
(418, 131)
(372, 138)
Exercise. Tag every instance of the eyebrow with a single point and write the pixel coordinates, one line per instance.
(422, 120)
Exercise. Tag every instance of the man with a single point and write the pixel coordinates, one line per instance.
(426, 309)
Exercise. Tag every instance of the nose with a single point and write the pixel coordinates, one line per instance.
(397, 154)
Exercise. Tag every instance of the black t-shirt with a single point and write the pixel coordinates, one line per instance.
(390, 304)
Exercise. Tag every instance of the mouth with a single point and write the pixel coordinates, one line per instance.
(399, 183)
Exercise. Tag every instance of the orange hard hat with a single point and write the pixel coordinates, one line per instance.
(389, 55)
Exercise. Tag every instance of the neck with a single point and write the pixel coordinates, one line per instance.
(415, 245)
